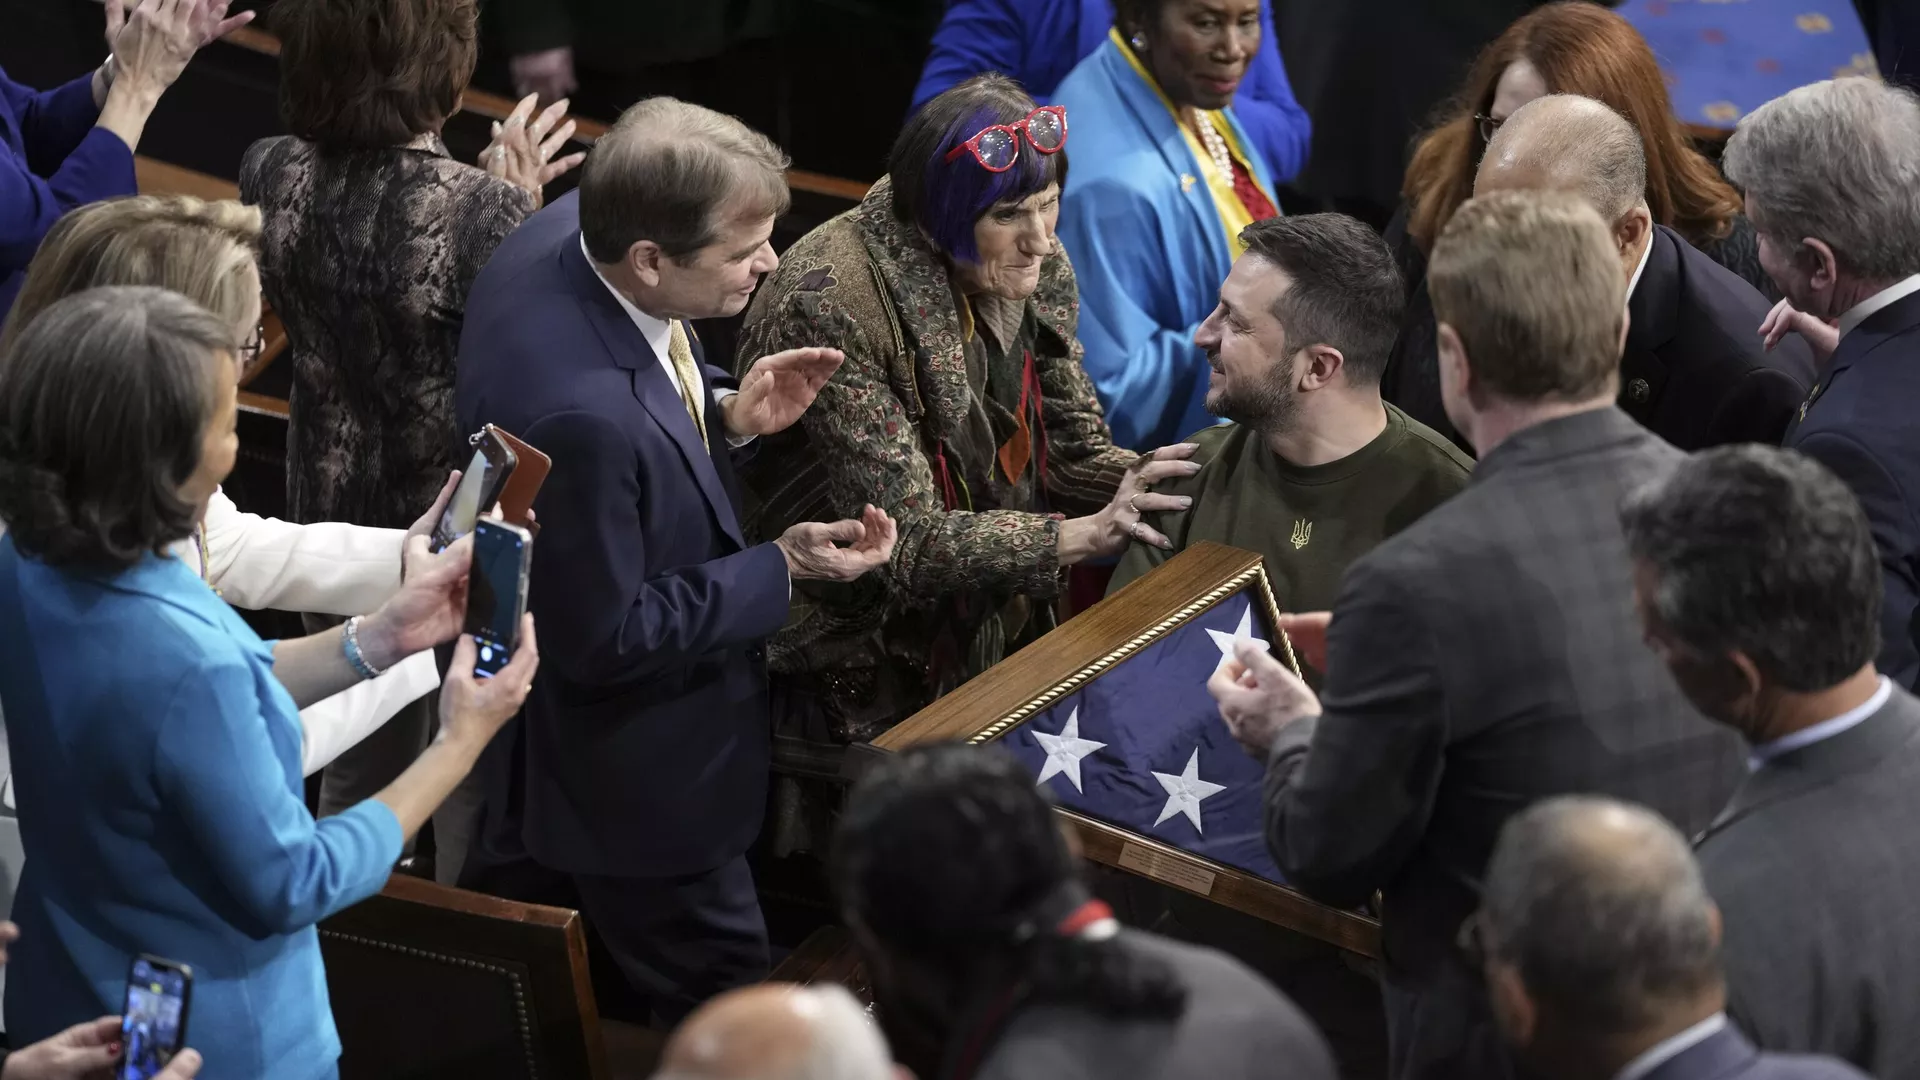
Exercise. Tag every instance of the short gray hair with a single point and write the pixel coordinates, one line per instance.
(667, 170)
(1601, 907)
(1764, 551)
(1577, 144)
(1838, 161)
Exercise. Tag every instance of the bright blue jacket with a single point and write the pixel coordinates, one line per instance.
(156, 765)
(52, 159)
(1039, 41)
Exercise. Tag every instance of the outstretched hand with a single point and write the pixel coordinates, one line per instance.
(778, 389)
(1821, 336)
(1307, 630)
(428, 610)
(813, 549)
(152, 40)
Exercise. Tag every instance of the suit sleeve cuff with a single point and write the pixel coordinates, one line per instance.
(720, 396)
(1292, 741)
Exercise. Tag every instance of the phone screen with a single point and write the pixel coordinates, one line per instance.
(494, 598)
(464, 508)
(154, 1021)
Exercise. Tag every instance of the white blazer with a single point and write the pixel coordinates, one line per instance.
(334, 569)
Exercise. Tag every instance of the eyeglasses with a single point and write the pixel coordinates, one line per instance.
(255, 344)
(1489, 127)
(996, 148)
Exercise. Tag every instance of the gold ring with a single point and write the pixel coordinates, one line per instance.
(1130, 503)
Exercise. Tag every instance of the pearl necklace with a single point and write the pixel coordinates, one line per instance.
(1215, 143)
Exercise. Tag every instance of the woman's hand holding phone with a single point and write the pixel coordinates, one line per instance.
(472, 709)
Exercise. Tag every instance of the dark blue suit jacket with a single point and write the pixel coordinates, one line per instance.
(1727, 1055)
(1860, 423)
(52, 159)
(1039, 41)
(644, 746)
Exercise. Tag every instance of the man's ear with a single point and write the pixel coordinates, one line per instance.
(1453, 358)
(644, 260)
(1323, 365)
(1631, 229)
(1822, 264)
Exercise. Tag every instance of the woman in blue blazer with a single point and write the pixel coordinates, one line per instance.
(1039, 41)
(74, 144)
(155, 736)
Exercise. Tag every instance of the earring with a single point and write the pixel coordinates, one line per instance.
(1138, 41)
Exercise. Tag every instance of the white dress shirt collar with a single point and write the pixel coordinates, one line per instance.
(1825, 729)
(659, 335)
(658, 332)
(1645, 255)
(1668, 1049)
(1865, 309)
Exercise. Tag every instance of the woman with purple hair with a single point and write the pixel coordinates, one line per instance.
(962, 410)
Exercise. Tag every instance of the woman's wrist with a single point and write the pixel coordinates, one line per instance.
(377, 643)
(1079, 539)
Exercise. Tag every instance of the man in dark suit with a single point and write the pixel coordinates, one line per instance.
(1832, 179)
(1601, 949)
(1758, 583)
(1487, 656)
(640, 767)
(1694, 371)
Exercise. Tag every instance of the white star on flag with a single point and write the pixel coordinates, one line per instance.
(1185, 792)
(1243, 632)
(1065, 750)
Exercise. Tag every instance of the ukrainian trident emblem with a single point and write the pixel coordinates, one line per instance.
(1302, 532)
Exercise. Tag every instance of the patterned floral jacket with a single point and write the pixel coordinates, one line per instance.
(875, 651)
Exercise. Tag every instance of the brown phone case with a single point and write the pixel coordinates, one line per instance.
(528, 474)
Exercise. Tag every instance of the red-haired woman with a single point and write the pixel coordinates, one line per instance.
(1573, 47)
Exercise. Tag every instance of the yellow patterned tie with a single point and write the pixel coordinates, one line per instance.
(692, 390)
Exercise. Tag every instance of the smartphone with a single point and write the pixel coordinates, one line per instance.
(497, 592)
(153, 1025)
(529, 472)
(480, 486)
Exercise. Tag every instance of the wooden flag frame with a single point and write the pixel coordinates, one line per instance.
(998, 701)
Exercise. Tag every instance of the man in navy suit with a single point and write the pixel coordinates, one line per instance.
(1832, 179)
(1694, 371)
(640, 767)
(1601, 950)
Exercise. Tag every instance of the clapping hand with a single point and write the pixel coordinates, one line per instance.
(152, 40)
(813, 548)
(1821, 336)
(521, 153)
(1258, 696)
(778, 389)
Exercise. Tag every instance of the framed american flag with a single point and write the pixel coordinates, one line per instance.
(1111, 713)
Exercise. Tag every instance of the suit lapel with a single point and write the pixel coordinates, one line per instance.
(1852, 751)
(628, 349)
(1652, 319)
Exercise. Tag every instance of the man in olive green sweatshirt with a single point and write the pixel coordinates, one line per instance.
(1314, 470)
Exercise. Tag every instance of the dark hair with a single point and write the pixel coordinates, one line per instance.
(948, 854)
(1346, 291)
(363, 74)
(104, 400)
(1578, 48)
(1132, 16)
(1601, 907)
(667, 170)
(945, 199)
(1766, 552)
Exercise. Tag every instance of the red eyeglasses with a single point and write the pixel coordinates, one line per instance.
(996, 148)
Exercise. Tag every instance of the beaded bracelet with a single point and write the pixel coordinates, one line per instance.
(350, 644)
